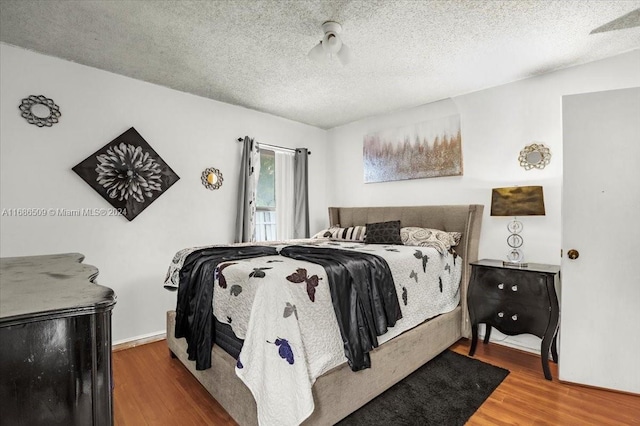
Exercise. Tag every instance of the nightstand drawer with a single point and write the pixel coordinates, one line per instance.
(511, 284)
(512, 317)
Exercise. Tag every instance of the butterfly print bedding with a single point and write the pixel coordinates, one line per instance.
(258, 273)
(418, 255)
(222, 282)
(284, 350)
(291, 304)
(197, 273)
(290, 309)
(300, 276)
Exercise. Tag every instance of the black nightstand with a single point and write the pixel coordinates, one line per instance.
(515, 301)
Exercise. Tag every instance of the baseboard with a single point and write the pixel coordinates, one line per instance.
(527, 343)
(582, 385)
(513, 345)
(138, 340)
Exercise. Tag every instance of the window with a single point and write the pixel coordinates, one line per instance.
(275, 203)
(266, 198)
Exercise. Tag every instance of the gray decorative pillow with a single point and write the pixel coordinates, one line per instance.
(383, 233)
(426, 237)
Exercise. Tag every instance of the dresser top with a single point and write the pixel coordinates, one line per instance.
(39, 287)
(534, 267)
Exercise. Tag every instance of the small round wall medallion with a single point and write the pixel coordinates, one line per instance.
(535, 155)
(40, 111)
(211, 178)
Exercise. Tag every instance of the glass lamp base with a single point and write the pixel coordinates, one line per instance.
(515, 257)
(515, 264)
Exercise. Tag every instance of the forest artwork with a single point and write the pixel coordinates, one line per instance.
(424, 150)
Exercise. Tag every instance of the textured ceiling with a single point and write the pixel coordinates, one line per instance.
(253, 53)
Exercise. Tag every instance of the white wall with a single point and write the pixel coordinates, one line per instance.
(496, 124)
(190, 133)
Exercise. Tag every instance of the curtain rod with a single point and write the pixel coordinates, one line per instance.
(283, 148)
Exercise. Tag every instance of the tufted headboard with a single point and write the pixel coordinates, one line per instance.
(466, 219)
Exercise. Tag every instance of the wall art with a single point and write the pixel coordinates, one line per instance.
(40, 111)
(211, 178)
(424, 150)
(128, 173)
(535, 156)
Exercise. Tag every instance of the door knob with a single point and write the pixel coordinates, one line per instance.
(573, 254)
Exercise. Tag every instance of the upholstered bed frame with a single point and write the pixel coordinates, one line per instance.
(341, 391)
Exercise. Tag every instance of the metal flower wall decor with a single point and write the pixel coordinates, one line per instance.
(128, 173)
(40, 111)
(211, 178)
(536, 155)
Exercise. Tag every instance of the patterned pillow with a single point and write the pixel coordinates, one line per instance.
(352, 233)
(426, 237)
(456, 237)
(383, 233)
(325, 233)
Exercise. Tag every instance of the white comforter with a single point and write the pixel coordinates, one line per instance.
(282, 308)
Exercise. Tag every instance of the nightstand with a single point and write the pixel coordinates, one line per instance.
(515, 301)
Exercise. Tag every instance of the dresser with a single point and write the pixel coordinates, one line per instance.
(515, 300)
(55, 329)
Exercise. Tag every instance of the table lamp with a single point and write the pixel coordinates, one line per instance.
(516, 201)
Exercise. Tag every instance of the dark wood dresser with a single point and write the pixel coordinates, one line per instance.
(55, 334)
(515, 301)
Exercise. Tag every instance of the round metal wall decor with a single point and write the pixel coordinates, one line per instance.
(211, 178)
(40, 111)
(535, 155)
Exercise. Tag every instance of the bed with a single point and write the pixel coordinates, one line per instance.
(414, 347)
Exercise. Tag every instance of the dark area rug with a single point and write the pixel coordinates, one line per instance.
(446, 391)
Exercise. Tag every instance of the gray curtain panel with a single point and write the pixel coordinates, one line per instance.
(249, 172)
(301, 195)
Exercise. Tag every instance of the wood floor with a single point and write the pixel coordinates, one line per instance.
(153, 389)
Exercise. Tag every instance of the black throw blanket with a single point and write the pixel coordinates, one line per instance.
(363, 295)
(194, 309)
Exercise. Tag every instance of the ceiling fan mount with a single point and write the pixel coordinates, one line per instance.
(331, 45)
(331, 26)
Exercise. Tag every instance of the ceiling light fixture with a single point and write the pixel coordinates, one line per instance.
(331, 45)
